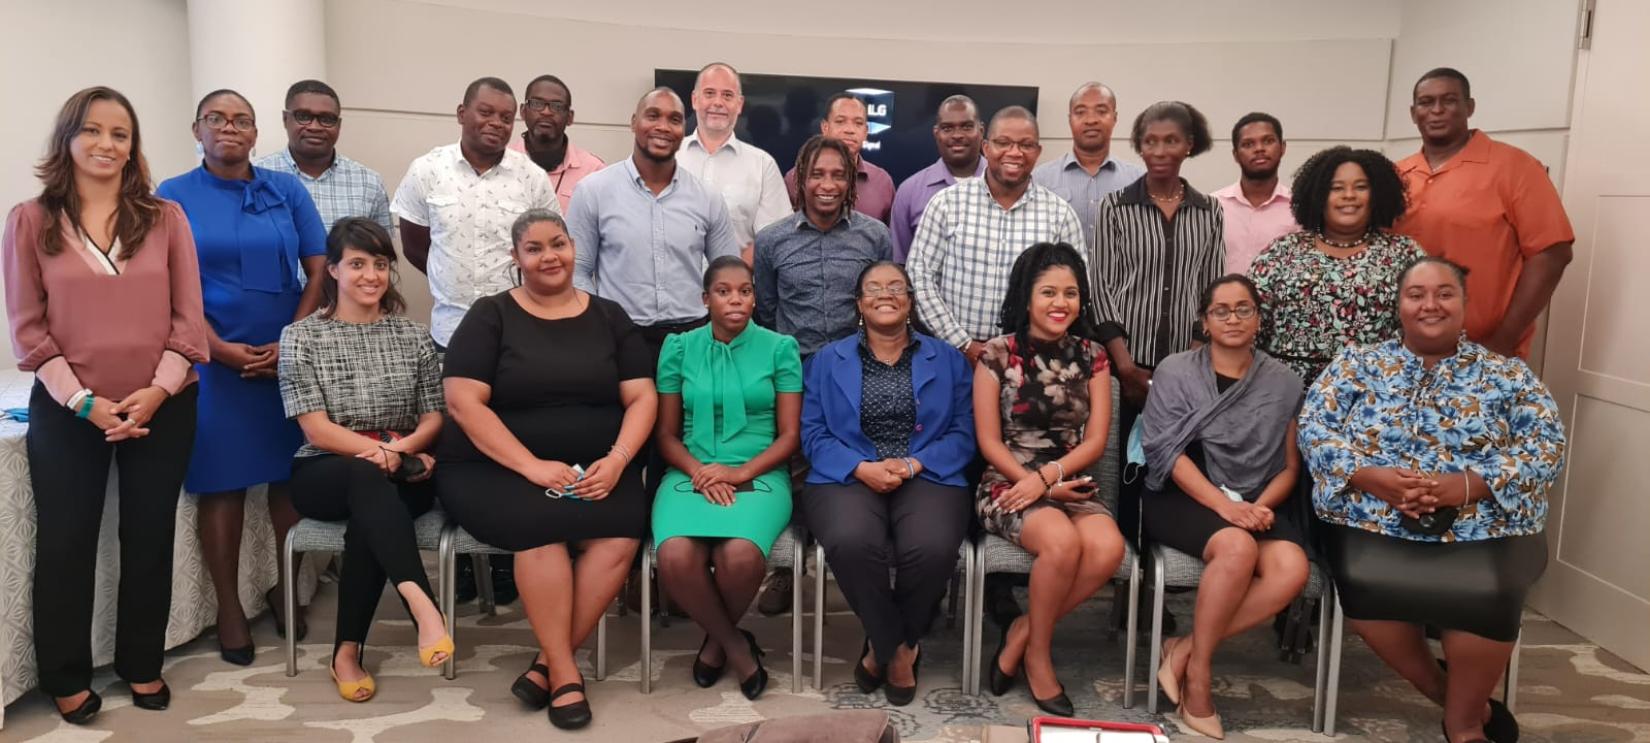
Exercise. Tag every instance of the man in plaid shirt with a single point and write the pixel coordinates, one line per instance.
(341, 187)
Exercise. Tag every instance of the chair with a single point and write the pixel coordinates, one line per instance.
(455, 541)
(1175, 569)
(785, 553)
(311, 535)
(965, 566)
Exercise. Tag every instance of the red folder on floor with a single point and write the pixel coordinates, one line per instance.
(1068, 730)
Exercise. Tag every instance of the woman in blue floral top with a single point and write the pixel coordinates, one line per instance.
(1431, 457)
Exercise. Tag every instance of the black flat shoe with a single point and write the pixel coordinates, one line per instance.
(277, 609)
(1445, 728)
(1000, 682)
(83, 714)
(705, 675)
(572, 716)
(1058, 705)
(531, 694)
(156, 701)
(899, 696)
(753, 685)
(863, 678)
(1502, 727)
(241, 656)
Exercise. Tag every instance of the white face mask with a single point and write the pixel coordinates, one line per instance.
(1136, 453)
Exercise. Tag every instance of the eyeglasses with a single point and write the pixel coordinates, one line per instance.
(891, 290)
(1222, 313)
(216, 120)
(555, 107)
(305, 118)
(1028, 146)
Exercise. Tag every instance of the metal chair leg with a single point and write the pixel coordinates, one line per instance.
(1158, 580)
(1332, 684)
(798, 554)
(289, 601)
(971, 681)
(601, 647)
(484, 583)
(1325, 607)
(448, 568)
(1130, 651)
(961, 581)
(819, 616)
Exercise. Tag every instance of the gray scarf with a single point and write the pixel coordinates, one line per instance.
(1242, 430)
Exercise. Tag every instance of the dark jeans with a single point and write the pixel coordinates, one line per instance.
(69, 466)
(379, 541)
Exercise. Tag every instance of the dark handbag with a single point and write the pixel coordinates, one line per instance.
(1432, 524)
(411, 468)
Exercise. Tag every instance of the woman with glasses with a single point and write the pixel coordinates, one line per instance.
(888, 425)
(262, 252)
(1219, 437)
(730, 409)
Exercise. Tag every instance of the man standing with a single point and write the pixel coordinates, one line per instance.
(959, 134)
(340, 187)
(971, 233)
(1487, 206)
(1257, 206)
(747, 177)
(845, 119)
(547, 112)
(1088, 173)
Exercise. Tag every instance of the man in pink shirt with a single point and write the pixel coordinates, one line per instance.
(1257, 206)
(547, 111)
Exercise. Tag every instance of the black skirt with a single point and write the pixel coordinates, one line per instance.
(1177, 520)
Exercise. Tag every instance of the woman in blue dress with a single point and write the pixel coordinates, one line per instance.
(262, 247)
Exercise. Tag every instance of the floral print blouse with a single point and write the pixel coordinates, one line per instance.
(1377, 406)
(1315, 304)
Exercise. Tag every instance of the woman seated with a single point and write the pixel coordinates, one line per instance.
(1219, 436)
(549, 397)
(730, 409)
(1431, 457)
(364, 385)
(1042, 410)
(888, 425)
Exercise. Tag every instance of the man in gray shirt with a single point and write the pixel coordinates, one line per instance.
(644, 229)
(1088, 173)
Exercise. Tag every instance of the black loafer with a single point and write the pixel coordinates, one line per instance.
(899, 696)
(1000, 682)
(1502, 727)
(705, 675)
(1058, 705)
(863, 678)
(531, 694)
(83, 714)
(572, 716)
(156, 701)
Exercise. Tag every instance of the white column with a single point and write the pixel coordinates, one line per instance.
(259, 48)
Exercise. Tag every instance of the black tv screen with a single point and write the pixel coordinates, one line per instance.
(782, 111)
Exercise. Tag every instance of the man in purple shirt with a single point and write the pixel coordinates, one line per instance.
(958, 134)
(845, 120)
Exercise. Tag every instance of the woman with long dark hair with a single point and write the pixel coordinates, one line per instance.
(105, 308)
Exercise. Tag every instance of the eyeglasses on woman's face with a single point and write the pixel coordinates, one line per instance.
(895, 289)
(1222, 313)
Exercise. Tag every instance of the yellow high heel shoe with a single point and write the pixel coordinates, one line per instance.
(350, 690)
(426, 655)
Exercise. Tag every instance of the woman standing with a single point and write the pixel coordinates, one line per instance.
(262, 251)
(1042, 412)
(521, 418)
(105, 307)
(1335, 283)
(364, 384)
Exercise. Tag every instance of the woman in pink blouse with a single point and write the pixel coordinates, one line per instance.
(104, 299)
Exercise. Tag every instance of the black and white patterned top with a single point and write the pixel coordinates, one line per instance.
(377, 376)
(888, 404)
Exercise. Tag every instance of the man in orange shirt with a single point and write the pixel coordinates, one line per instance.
(1487, 206)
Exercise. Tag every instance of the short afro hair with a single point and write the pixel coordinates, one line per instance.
(1312, 182)
(477, 84)
(1256, 117)
(312, 86)
(1447, 73)
(1189, 119)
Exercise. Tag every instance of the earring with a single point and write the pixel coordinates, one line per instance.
(862, 321)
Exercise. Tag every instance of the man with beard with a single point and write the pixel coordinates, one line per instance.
(958, 133)
(1088, 173)
(340, 187)
(747, 177)
(845, 119)
(1257, 207)
(547, 112)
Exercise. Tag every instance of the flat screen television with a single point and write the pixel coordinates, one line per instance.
(782, 111)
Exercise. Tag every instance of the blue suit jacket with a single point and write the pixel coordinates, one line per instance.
(944, 437)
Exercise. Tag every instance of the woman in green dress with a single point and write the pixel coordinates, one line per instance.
(730, 417)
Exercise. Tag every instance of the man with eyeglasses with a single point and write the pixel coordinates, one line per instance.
(1487, 206)
(747, 177)
(958, 133)
(341, 187)
(546, 114)
(1088, 173)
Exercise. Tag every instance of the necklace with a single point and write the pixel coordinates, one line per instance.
(1342, 245)
(1171, 198)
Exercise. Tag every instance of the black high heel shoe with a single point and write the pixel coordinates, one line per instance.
(531, 694)
(899, 696)
(241, 656)
(999, 682)
(753, 685)
(705, 674)
(154, 701)
(277, 607)
(572, 716)
(1502, 727)
(1058, 705)
(863, 678)
(83, 714)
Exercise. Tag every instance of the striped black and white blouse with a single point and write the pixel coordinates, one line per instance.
(1148, 270)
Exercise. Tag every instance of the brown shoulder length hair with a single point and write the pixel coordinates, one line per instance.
(138, 209)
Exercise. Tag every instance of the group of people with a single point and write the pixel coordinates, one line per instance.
(686, 345)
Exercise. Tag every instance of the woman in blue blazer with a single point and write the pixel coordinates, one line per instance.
(888, 427)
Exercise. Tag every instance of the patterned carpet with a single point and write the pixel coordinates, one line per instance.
(1571, 691)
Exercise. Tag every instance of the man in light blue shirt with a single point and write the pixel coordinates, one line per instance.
(644, 229)
(1088, 173)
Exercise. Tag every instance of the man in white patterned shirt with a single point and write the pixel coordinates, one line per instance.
(457, 203)
(971, 233)
(341, 187)
(747, 177)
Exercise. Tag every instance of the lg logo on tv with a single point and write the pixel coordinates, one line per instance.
(879, 113)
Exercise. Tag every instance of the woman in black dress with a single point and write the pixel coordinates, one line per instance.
(550, 395)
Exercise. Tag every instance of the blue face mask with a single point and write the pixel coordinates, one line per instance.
(1136, 453)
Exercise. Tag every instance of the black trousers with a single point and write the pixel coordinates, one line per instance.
(379, 541)
(913, 532)
(69, 466)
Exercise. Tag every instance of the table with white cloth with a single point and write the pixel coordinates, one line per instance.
(194, 604)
